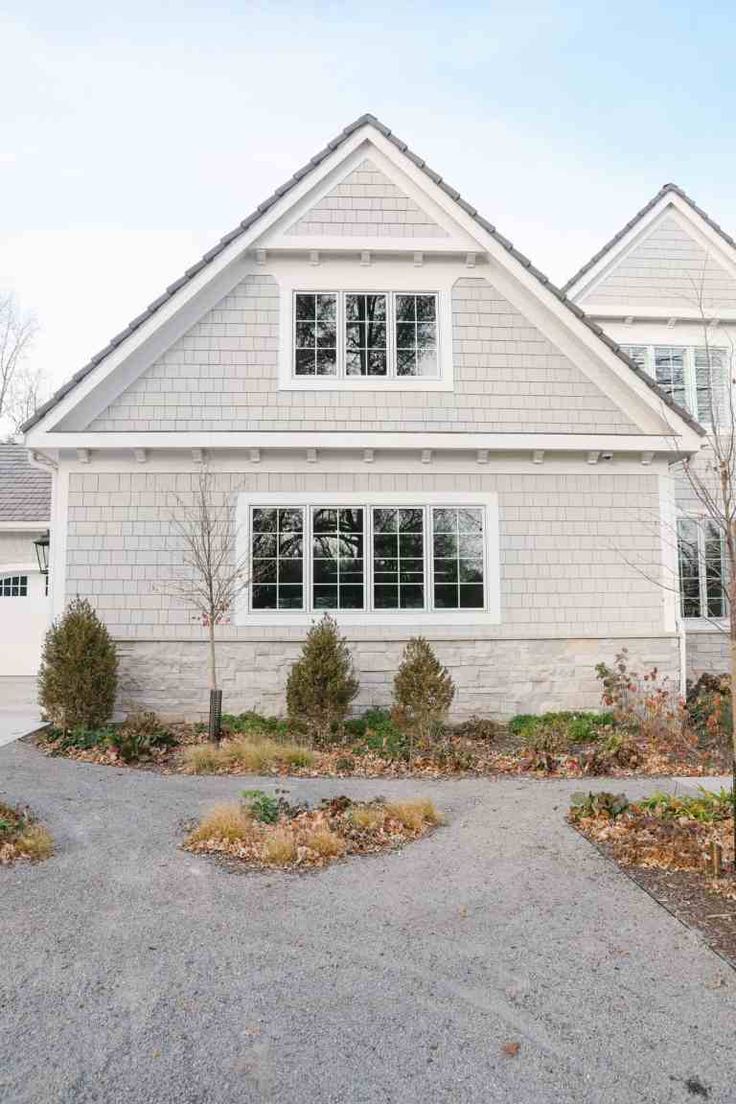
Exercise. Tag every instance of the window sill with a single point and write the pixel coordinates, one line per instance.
(364, 383)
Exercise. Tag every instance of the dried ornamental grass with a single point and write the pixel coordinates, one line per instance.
(22, 837)
(301, 837)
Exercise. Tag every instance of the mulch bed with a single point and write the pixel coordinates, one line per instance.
(461, 756)
(667, 859)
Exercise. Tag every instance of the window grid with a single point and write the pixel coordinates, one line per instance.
(423, 575)
(701, 569)
(337, 560)
(692, 375)
(350, 357)
(458, 557)
(14, 586)
(277, 554)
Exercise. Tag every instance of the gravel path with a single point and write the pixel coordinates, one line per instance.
(131, 971)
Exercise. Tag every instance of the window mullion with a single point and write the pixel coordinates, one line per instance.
(429, 559)
(702, 579)
(391, 335)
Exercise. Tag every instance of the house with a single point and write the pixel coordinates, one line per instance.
(664, 289)
(25, 509)
(413, 428)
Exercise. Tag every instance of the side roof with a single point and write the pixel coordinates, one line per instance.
(25, 491)
(284, 189)
(666, 189)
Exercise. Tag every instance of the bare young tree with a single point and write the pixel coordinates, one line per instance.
(19, 384)
(212, 574)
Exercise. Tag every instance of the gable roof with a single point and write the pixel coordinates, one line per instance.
(284, 189)
(666, 189)
(25, 491)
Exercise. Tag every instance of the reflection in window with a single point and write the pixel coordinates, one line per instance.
(278, 558)
(669, 371)
(366, 352)
(416, 335)
(398, 558)
(457, 536)
(710, 378)
(337, 558)
(702, 569)
(315, 334)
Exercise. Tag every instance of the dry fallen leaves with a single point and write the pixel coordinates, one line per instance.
(511, 1049)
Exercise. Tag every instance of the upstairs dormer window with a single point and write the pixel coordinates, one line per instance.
(380, 335)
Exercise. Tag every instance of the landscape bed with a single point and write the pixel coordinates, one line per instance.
(22, 837)
(265, 831)
(678, 848)
(560, 745)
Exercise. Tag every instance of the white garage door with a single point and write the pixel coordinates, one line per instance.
(24, 617)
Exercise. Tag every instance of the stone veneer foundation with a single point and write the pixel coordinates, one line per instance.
(494, 677)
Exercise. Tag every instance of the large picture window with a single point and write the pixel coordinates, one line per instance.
(702, 567)
(369, 557)
(357, 334)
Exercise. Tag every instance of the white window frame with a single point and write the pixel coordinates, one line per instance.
(489, 615)
(356, 282)
(690, 381)
(700, 523)
(23, 581)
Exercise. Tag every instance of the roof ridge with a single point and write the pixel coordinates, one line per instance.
(367, 119)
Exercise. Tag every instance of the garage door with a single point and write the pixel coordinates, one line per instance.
(24, 617)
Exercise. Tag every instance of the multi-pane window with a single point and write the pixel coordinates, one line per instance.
(315, 334)
(694, 376)
(701, 564)
(366, 334)
(368, 557)
(337, 558)
(416, 335)
(14, 586)
(277, 549)
(398, 558)
(458, 557)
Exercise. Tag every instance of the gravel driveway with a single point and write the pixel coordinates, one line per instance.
(131, 971)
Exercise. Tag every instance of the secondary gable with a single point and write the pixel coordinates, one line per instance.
(367, 203)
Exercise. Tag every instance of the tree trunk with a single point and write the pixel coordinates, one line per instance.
(213, 664)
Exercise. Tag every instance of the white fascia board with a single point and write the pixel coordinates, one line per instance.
(23, 526)
(290, 440)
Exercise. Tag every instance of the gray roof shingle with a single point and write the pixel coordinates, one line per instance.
(282, 190)
(25, 491)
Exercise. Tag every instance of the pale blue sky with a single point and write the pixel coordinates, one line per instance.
(133, 135)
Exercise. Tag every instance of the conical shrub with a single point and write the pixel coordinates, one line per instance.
(423, 691)
(79, 670)
(322, 682)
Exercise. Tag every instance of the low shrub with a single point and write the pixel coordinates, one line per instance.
(139, 736)
(478, 729)
(647, 705)
(322, 682)
(262, 806)
(576, 727)
(708, 704)
(377, 732)
(706, 808)
(249, 723)
(593, 804)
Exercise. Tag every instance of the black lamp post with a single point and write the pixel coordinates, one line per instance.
(42, 552)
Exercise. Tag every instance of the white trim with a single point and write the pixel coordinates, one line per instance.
(57, 549)
(670, 576)
(295, 439)
(24, 526)
(338, 279)
(16, 568)
(367, 618)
